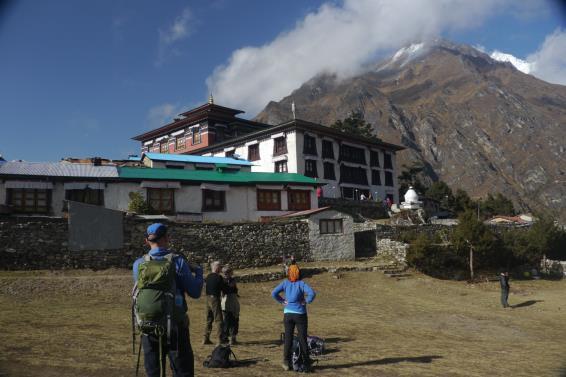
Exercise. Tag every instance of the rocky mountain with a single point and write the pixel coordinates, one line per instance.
(475, 122)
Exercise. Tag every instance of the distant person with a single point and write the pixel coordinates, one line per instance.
(294, 313)
(214, 288)
(319, 192)
(288, 260)
(388, 202)
(188, 279)
(504, 282)
(230, 306)
(362, 196)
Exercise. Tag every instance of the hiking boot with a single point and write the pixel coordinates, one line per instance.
(285, 365)
(206, 340)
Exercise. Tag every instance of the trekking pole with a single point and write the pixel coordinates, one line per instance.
(138, 363)
(134, 331)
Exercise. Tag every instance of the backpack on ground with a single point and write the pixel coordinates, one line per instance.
(154, 300)
(300, 363)
(220, 358)
(314, 343)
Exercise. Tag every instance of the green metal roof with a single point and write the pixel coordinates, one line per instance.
(214, 176)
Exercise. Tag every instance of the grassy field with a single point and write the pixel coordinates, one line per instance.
(78, 324)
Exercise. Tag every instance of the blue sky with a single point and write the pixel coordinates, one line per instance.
(81, 78)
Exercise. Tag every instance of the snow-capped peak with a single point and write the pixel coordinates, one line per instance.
(407, 53)
(520, 64)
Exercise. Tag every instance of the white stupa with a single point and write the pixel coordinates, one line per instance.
(411, 200)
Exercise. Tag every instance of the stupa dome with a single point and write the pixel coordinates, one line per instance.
(411, 196)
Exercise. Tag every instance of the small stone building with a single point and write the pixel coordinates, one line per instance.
(331, 233)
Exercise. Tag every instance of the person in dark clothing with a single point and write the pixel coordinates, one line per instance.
(504, 282)
(215, 286)
(188, 280)
(230, 306)
(294, 313)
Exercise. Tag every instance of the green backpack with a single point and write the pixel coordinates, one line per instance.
(153, 306)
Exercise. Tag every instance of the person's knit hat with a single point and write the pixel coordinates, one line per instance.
(293, 273)
(155, 231)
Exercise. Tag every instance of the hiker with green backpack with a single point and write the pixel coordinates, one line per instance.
(159, 309)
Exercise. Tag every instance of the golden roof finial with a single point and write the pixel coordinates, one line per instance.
(211, 99)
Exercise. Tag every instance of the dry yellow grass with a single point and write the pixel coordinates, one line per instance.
(78, 324)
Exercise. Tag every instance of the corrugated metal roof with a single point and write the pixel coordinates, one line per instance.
(214, 176)
(57, 169)
(195, 159)
(306, 213)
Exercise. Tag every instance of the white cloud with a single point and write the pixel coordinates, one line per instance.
(549, 62)
(520, 64)
(337, 38)
(180, 29)
(162, 114)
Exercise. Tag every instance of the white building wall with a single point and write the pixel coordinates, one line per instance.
(57, 198)
(117, 195)
(340, 246)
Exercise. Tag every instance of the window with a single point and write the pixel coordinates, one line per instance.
(213, 200)
(347, 192)
(310, 168)
(174, 167)
(299, 200)
(281, 166)
(29, 200)
(375, 177)
(309, 146)
(230, 153)
(279, 146)
(164, 147)
(180, 143)
(268, 200)
(329, 171)
(352, 154)
(253, 152)
(389, 179)
(219, 134)
(88, 196)
(387, 162)
(331, 226)
(196, 135)
(161, 200)
(353, 175)
(155, 148)
(374, 158)
(327, 149)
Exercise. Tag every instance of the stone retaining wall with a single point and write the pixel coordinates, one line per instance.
(28, 243)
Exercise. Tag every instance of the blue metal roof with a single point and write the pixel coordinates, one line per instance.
(196, 159)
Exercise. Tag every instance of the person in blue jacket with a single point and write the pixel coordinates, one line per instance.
(188, 280)
(297, 295)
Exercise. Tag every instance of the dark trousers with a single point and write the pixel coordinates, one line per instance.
(180, 355)
(504, 297)
(214, 315)
(231, 324)
(291, 321)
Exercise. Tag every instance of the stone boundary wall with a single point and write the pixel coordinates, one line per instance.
(29, 243)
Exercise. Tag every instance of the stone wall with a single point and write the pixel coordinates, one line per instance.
(42, 243)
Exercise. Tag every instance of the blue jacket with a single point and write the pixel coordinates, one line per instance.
(294, 295)
(185, 280)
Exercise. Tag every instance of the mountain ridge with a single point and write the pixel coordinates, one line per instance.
(477, 123)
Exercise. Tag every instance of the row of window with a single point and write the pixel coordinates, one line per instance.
(180, 142)
(160, 200)
(348, 174)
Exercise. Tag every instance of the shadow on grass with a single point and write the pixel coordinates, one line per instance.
(387, 360)
(276, 342)
(526, 303)
(338, 339)
(248, 362)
